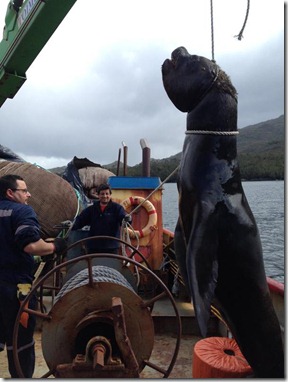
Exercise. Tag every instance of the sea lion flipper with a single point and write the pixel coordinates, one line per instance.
(180, 251)
(202, 269)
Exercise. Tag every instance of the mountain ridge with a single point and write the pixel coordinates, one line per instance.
(261, 154)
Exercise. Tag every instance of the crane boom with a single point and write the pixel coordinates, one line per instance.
(28, 26)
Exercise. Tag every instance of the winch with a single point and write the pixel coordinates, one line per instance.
(98, 325)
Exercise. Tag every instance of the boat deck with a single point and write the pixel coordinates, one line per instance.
(165, 320)
(161, 356)
(164, 345)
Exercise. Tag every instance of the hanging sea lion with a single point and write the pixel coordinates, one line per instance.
(217, 241)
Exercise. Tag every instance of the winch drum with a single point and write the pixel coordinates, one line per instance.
(60, 333)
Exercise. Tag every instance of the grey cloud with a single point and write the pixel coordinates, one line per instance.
(122, 99)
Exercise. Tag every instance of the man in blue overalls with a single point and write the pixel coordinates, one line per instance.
(19, 241)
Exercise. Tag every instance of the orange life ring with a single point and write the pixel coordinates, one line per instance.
(152, 213)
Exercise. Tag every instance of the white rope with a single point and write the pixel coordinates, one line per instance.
(125, 237)
(207, 132)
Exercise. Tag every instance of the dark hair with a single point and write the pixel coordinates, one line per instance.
(104, 186)
(8, 181)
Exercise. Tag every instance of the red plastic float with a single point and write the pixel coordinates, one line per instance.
(219, 357)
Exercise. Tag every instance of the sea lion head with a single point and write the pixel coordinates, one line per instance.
(188, 78)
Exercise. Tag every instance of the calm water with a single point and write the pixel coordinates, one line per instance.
(266, 200)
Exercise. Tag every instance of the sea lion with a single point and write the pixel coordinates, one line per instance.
(217, 242)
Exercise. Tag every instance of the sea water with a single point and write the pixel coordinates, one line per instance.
(266, 200)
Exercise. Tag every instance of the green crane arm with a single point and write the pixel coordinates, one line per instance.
(28, 26)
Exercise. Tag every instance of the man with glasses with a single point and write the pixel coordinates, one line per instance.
(19, 241)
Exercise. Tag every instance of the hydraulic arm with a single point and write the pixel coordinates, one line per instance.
(28, 26)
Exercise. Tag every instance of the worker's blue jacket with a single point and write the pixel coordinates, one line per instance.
(106, 223)
(18, 227)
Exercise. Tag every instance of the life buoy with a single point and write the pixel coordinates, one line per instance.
(152, 213)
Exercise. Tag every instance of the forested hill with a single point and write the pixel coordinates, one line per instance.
(261, 150)
(266, 136)
(261, 154)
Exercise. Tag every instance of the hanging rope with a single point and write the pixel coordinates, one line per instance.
(157, 188)
(240, 35)
(212, 29)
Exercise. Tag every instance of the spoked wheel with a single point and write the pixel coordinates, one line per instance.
(146, 305)
(134, 251)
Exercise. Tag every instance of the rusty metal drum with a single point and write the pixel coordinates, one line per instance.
(83, 310)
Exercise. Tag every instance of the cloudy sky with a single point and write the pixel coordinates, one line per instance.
(97, 82)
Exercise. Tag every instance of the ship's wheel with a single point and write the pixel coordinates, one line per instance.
(98, 308)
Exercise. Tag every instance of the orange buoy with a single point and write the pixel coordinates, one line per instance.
(219, 357)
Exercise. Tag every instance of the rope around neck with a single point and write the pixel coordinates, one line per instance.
(208, 89)
(207, 132)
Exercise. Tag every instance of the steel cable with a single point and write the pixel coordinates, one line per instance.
(100, 273)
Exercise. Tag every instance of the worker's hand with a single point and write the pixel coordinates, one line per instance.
(60, 246)
(128, 219)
